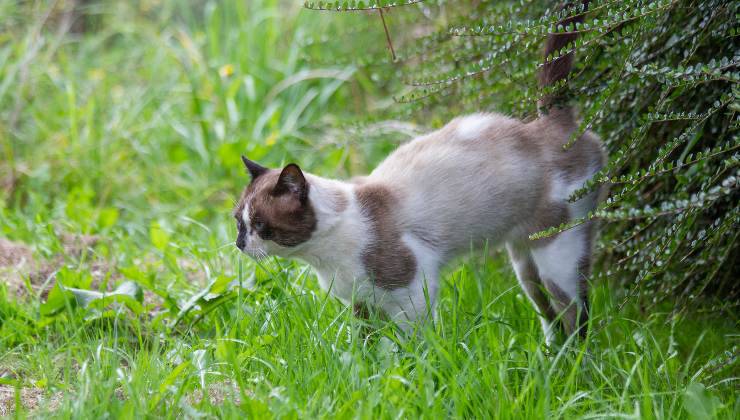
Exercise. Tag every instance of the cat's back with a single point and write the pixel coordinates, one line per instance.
(465, 144)
(474, 176)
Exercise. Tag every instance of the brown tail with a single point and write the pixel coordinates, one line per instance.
(558, 68)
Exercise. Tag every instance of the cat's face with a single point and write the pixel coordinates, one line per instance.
(274, 215)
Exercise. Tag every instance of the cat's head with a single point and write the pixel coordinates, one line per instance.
(274, 215)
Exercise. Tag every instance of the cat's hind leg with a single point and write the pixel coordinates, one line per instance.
(563, 264)
(526, 272)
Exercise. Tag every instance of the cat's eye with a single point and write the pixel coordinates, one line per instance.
(259, 226)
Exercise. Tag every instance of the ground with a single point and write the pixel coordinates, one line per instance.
(120, 163)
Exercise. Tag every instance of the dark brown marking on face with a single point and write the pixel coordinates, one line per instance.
(279, 209)
(241, 229)
(387, 260)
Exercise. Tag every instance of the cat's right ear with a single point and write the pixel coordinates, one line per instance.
(254, 169)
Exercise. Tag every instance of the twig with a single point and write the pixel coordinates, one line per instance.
(387, 35)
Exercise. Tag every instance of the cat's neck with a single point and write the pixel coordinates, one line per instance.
(341, 232)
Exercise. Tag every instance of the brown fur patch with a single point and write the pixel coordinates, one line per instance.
(548, 215)
(360, 310)
(558, 66)
(389, 262)
(579, 159)
(288, 221)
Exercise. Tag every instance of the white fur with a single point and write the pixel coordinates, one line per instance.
(255, 246)
(245, 213)
(472, 126)
(458, 188)
(558, 261)
(335, 248)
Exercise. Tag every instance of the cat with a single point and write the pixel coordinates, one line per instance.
(381, 240)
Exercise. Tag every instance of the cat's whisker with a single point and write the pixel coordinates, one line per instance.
(228, 244)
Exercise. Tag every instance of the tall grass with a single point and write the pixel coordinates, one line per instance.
(132, 132)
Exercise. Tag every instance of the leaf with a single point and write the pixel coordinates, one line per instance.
(107, 217)
(56, 301)
(200, 361)
(218, 287)
(159, 238)
(699, 402)
(128, 293)
(215, 289)
(168, 382)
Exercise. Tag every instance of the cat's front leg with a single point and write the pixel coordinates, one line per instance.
(413, 305)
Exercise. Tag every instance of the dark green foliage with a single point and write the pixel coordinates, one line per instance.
(657, 80)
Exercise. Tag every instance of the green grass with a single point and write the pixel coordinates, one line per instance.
(131, 133)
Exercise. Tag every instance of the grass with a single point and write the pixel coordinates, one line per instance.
(120, 163)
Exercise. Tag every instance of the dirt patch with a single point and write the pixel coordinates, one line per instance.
(14, 254)
(17, 263)
(30, 398)
(75, 245)
(217, 393)
(19, 269)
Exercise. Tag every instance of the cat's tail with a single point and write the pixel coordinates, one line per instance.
(558, 63)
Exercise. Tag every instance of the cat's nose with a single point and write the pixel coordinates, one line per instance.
(241, 243)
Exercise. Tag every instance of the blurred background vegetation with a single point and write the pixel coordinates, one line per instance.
(147, 110)
(121, 127)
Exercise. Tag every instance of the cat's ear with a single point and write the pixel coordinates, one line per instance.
(292, 181)
(254, 168)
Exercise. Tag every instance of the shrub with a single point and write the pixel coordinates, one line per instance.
(656, 79)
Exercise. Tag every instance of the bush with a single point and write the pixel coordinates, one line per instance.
(656, 79)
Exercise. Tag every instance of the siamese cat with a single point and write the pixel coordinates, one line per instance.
(381, 240)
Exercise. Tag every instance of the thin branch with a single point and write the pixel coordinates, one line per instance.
(387, 35)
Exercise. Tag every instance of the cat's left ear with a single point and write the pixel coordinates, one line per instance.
(254, 169)
(292, 181)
